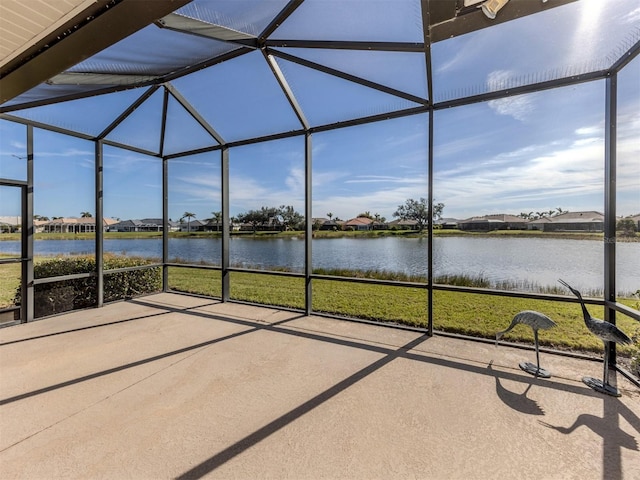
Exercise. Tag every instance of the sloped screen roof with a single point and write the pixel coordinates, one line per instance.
(252, 68)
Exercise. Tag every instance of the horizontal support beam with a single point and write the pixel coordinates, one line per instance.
(345, 45)
(110, 79)
(194, 26)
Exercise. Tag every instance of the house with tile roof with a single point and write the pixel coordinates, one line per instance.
(589, 221)
(76, 225)
(143, 225)
(400, 224)
(489, 223)
(359, 223)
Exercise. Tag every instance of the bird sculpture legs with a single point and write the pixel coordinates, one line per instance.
(532, 369)
(603, 386)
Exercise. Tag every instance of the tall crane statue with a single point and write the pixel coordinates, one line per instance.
(607, 332)
(536, 321)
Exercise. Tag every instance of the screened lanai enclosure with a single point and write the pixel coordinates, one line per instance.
(321, 155)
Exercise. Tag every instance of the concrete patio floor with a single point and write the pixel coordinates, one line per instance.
(172, 386)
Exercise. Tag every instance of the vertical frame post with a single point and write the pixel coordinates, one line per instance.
(165, 194)
(165, 224)
(308, 262)
(426, 29)
(430, 233)
(226, 222)
(99, 191)
(27, 305)
(610, 203)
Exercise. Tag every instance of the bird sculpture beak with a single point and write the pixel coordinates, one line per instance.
(562, 282)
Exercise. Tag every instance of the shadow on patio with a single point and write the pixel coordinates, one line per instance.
(172, 386)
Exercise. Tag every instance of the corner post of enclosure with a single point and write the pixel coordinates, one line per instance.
(99, 189)
(226, 222)
(426, 22)
(27, 305)
(308, 263)
(165, 224)
(610, 204)
(430, 233)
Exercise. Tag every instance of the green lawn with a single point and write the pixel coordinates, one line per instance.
(9, 280)
(470, 314)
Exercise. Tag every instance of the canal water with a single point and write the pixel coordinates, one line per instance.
(519, 260)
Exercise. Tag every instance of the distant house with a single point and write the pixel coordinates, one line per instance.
(75, 225)
(448, 223)
(489, 223)
(326, 224)
(403, 224)
(212, 225)
(358, 223)
(38, 225)
(143, 225)
(376, 225)
(192, 226)
(538, 223)
(10, 224)
(590, 221)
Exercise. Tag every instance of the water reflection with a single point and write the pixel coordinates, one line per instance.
(521, 261)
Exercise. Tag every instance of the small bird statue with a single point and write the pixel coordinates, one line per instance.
(607, 332)
(536, 321)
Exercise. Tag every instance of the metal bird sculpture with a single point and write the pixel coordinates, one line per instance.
(536, 321)
(607, 332)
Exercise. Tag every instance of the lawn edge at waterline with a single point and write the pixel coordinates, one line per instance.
(467, 313)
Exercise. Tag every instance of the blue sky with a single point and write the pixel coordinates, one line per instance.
(533, 152)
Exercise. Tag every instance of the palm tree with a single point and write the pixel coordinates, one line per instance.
(188, 216)
(330, 215)
(86, 214)
(218, 217)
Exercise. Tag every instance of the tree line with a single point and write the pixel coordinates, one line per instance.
(285, 217)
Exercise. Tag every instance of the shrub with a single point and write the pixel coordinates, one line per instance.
(626, 228)
(71, 294)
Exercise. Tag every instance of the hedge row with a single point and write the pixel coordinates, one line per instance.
(65, 295)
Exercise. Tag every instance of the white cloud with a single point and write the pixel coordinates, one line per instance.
(296, 181)
(499, 80)
(586, 141)
(383, 200)
(128, 163)
(632, 17)
(382, 179)
(327, 178)
(67, 152)
(572, 178)
(463, 56)
(247, 193)
(549, 175)
(518, 107)
(459, 145)
(593, 130)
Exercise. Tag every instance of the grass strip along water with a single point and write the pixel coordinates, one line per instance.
(456, 312)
